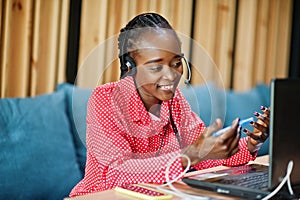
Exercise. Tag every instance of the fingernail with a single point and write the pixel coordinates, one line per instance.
(262, 108)
(252, 122)
(244, 130)
(256, 114)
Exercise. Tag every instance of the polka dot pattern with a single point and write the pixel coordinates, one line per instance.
(125, 144)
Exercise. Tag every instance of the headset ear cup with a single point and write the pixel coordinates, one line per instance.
(129, 62)
(128, 66)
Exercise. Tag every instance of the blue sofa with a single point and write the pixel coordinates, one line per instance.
(42, 155)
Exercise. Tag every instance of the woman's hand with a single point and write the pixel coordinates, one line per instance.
(208, 146)
(261, 130)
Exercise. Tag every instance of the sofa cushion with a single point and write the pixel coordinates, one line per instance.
(207, 101)
(77, 99)
(244, 104)
(37, 155)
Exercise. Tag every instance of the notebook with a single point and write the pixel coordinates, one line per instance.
(284, 146)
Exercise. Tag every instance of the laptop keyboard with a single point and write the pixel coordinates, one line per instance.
(257, 180)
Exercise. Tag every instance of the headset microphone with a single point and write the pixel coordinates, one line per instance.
(187, 81)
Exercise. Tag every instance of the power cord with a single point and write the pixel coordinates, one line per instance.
(189, 196)
(284, 180)
(170, 182)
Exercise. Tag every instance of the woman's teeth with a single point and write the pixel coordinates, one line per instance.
(166, 87)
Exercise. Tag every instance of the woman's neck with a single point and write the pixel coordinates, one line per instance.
(151, 103)
(155, 109)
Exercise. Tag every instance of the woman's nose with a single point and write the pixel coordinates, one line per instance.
(169, 73)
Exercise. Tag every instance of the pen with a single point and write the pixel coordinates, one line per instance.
(241, 123)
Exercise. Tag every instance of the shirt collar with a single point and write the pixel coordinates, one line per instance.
(133, 104)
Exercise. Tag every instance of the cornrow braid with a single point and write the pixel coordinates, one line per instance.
(131, 32)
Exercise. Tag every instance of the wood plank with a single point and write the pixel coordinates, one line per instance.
(93, 29)
(259, 62)
(18, 48)
(243, 61)
(47, 46)
(224, 41)
(272, 40)
(141, 6)
(204, 35)
(183, 17)
(183, 26)
(118, 18)
(35, 48)
(152, 5)
(63, 40)
(284, 35)
(4, 45)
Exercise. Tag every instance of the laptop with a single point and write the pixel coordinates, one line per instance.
(255, 181)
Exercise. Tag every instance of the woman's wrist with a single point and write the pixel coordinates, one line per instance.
(191, 152)
(253, 145)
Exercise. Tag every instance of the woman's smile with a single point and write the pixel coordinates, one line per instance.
(166, 87)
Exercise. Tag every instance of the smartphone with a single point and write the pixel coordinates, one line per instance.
(141, 192)
(241, 123)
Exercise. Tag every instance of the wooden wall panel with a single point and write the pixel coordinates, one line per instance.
(204, 33)
(92, 33)
(214, 28)
(260, 42)
(223, 53)
(245, 40)
(284, 32)
(16, 50)
(117, 18)
(272, 39)
(45, 64)
(49, 45)
(262, 51)
(63, 40)
(237, 42)
(117, 14)
(33, 46)
(3, 43)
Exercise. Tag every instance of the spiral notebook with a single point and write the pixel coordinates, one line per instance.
(256, 181)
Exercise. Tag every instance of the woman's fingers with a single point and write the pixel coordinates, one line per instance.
(259, 137)
(214, 127)
(260, 127)
(230, 134)
(262, 117)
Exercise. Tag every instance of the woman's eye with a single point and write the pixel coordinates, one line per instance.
(156, 68)
(177, 64)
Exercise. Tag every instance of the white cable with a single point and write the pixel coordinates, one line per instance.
(189, 196)
(284, 180)
(289, 184)
(170, 183)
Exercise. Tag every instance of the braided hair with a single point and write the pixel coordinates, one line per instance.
(130, 33)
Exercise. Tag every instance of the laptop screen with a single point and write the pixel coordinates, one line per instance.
(284, 129)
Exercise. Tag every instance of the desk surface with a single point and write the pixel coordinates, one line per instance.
(110, 194)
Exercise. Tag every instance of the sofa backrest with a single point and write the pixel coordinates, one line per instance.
(37, 154)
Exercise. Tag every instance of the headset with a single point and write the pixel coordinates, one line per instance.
(129, 63)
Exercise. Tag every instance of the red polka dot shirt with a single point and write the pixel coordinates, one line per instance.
(126, 144)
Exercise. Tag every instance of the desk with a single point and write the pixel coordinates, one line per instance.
(111, 195)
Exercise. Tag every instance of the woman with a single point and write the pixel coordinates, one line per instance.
(137, 126)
